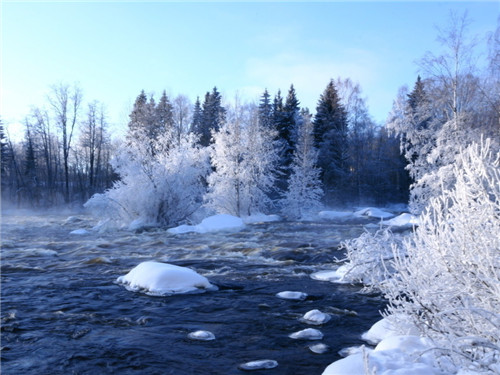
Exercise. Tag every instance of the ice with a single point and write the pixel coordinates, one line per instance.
(307, 334)
(296, 296)
(201, 335)
(319, 348)
(315, 317)
(222, 222)
(374, 212)
(163, 279)
(403, 220)
(334, 215)
(258, 365)
(80, 232)
(334, 276)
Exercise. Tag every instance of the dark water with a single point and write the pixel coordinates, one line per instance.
(62, 312)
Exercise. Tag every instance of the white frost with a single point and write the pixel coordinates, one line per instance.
(164, 279)
(222, 222)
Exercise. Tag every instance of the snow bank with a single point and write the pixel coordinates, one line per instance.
(215, 223)
(163, 279)
(374, 213)
(403, 220)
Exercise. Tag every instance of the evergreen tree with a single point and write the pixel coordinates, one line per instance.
(197, 117)
(266, 110)
(213, 116)
(287, 127)
(331, 139)
(163, 115)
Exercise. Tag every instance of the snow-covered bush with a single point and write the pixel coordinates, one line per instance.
(161, 182)
(448, 273)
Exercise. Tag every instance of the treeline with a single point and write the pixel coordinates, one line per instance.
(66, 152)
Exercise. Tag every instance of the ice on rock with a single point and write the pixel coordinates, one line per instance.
(315, 317)
(307, 334)
(79, 232)
(319, 348)
(374, 213)
(295, 296)
(201, 335)
(163, 279)
(334, 276)
(260, 364)
(403, 220)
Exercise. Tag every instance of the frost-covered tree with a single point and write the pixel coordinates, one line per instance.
(244, 161)
(331, 140)
(448, 271)
(304, 191)
(162, 188)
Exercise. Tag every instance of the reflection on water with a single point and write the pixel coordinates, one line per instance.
(62, 312)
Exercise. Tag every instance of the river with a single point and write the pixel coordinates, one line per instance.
(63, 313)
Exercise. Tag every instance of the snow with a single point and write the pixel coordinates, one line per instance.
(403, 220)
(296, 296)
(374, 213)
(315, 317)
(164, 279)
(201, 335)
(307, 334)
(80, 232)
(216, 223)
(319, 348)
(393, 355)
(259, 364)
(334, 276)
(260, 218)
(334, 215)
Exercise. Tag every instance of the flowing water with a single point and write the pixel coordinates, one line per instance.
(63, 313)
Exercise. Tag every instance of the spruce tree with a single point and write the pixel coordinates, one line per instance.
(197, 117)
(331, 140)
(266, 110)
(164, 117)
(212, 118)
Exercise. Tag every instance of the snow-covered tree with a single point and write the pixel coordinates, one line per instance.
(448, 271)
(304, 191)
(162, 188)
(244, 161)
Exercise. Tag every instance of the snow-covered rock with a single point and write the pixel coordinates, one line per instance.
(79, 232)
(259, 364)
(374, 213)
(307, 334)
(222, 222)
(164, 279)
(334, 276)
(319, 348)
(295, 296)
(403, 220)
(201, 335)
(315, 317)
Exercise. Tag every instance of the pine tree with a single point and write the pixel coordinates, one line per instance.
(331, 139)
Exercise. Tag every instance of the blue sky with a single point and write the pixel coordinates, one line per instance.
(114, 49)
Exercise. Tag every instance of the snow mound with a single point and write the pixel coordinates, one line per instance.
(334, 215)
(315, 317)
(222, 222)
(259, 364)
(379, 331)
(307, 334)
(374, 213)
(403, 220)
(333, 276)
(164, 279)
(295, 296)
(260, 218)
(79, 232)
(201, 335)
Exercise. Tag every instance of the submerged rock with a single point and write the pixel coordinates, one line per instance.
(258, 365)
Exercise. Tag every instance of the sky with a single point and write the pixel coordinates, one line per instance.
(115, 49)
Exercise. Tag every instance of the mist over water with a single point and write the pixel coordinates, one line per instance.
(62, 311)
